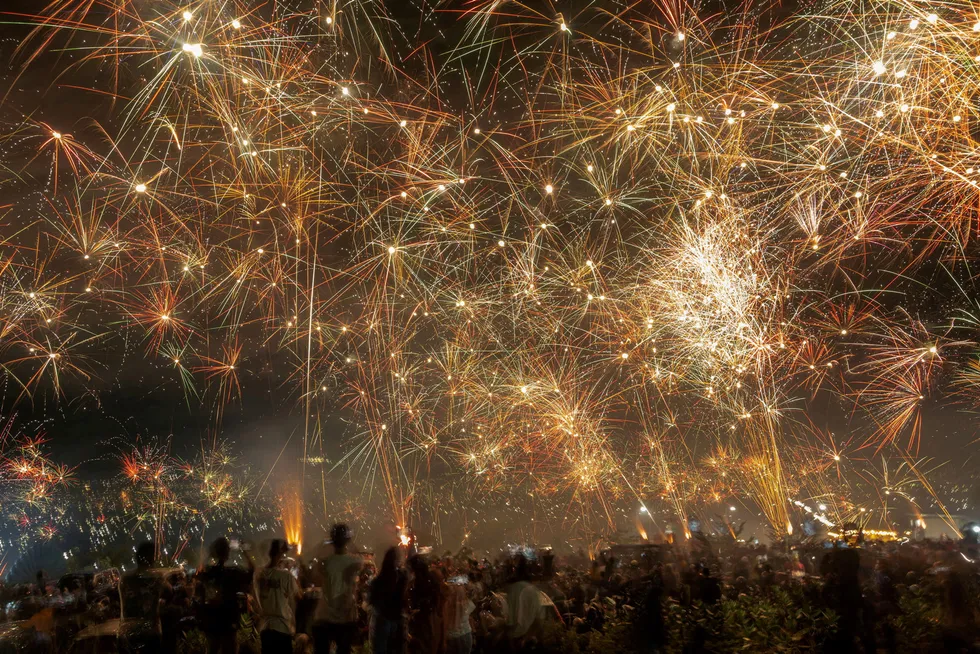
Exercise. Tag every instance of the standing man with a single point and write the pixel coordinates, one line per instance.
(221, 585)
(336, 614)
(141, 592)
(277, 591)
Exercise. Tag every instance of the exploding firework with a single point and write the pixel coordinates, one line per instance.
(566, 256)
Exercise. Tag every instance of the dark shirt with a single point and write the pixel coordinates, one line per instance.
(389, 599)
(710, 590)
(220, 586)
(141, 592)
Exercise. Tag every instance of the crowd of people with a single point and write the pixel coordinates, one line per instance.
(458, 604)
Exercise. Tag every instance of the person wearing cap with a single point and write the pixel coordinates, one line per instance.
(277, 591)
(335, 620)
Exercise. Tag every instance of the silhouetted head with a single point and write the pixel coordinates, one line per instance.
(144, 554)
(277, 550)
(340, 535)
(389, 565)
(221, 550)
(523, 568)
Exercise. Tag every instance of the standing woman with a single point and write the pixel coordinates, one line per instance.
(459, 637)
(425, 604)
(387, 600)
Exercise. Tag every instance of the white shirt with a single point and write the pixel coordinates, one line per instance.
(463, 620)
(276, 590)
(526, 606)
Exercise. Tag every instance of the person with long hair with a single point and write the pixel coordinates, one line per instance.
(387, 599)
(459, 636)
(426, 605)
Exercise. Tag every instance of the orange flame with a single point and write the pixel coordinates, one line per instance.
(292, 520)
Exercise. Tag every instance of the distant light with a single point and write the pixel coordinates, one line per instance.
(671, 107)
(680, 36)
(549, 189)
(391, 249)
(329, 20)
(976, 529)
(731, 508)
(501, 243)
(141, 188)
(188, 15)
(476, 130)
(345, 91)
(879, 68)
(932, 19)
(822, 507)
(403, 123)
(563, 27)
(237, 24)
(56, 135)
